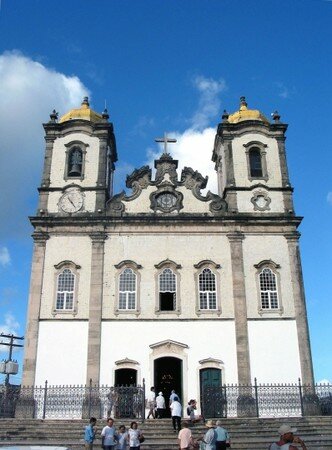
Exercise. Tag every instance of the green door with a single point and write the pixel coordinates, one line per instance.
(212, 396)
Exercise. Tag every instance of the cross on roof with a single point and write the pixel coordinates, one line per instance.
(165, 140)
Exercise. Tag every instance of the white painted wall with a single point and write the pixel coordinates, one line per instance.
(241, 165)
(132, 340)
(274, 352)
(62, 353)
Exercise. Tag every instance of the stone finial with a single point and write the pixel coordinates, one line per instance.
(85, 102)
(276, 116)
(54, 116)
(243, 102)
(105, 114)
(225, 116)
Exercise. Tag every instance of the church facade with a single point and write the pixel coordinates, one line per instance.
(166, 283)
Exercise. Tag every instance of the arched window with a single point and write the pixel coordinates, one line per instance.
(127, 289)
(65, 290)
(75, 163)
(207, 289)
(167, 290)
(268, 289)
(255, 163)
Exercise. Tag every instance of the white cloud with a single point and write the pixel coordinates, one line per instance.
(209, 101)
(28, 92)
(329, 198)
(194, 146)
(324, 381)
(10, 325)
(4, 256)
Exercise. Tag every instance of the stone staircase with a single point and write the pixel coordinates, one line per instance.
(246, 434)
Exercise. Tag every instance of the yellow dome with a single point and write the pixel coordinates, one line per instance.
(83, 113)
(246, 114)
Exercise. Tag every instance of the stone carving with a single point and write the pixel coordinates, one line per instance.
(261, 200)
(166, 199)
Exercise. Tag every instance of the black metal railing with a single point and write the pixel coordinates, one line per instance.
(72, 402)
(76, 402)
(266, 400)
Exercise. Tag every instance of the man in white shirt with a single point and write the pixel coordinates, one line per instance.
(161, 405)
(151, 403)
(176, 411)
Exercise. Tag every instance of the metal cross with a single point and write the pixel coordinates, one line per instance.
(166, 140)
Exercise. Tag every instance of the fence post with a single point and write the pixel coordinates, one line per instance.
(226, 405)
(45, 400)
(301, 397)
(143, 402)
(256, 397)
(90, 397)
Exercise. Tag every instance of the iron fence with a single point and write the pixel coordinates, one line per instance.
(76, 402)
(266, 400)
(72, 402)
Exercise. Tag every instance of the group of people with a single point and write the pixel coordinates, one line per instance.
(113, 439)
(216, 437)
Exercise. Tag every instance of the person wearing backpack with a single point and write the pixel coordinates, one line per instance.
(210, 437)
(287, 438)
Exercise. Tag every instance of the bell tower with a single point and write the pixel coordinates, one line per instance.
(79, 163)
(250, 160)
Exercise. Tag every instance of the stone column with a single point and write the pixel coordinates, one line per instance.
(95, 307)
(230, 178)
(287, 194)
(102, 170)
(310, 400)
(245, 402)
(43, 193)
(25, 405)
(36, 285)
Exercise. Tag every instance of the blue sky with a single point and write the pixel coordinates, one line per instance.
(167, 66)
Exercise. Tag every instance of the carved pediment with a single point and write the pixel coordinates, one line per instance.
(168, 343)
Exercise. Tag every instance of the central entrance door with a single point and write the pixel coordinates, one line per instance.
(168, 376)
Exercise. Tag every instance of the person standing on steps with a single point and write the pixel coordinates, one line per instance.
(287, 439)
(176, 413)
(161, 405)
(223, 441)
(109, 436)
(151, 403)
(171, 397)
(185, 439)
(90, 433)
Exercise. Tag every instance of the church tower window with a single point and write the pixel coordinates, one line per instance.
(127, 289)
(207, 290)
(255, 161)
(75, 163)
(167, 290)
(268, 289)
(65, 290)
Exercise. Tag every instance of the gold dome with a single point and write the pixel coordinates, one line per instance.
(83, 113)
(246, 114)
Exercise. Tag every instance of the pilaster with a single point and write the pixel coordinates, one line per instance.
(95, 306)
(32, 330)
(101, 180)
(46, 179)
(240, 308)
(300, 308)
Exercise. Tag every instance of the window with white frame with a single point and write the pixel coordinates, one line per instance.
(127, 289)
(207, 289)
(268, 289)
(65, 290)
(167, 290)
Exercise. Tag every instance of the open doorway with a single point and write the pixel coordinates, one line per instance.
(125, 377)
(168, 376)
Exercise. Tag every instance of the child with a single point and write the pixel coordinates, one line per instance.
(122, 438)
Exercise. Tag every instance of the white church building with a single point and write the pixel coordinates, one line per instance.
(166, 283)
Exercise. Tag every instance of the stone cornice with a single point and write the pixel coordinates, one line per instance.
(40, 237)
(98, 237)
(236, 236)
